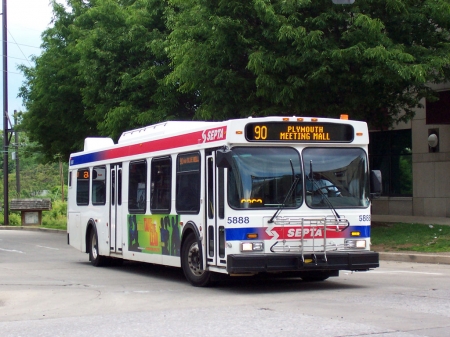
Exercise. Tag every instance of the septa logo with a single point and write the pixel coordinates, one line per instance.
(215, 134)
(305, 233)
(297, 233)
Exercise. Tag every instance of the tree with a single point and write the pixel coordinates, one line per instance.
(372, 60)
(124, 63)
(55, 118)
(112, 65)
(101, 72)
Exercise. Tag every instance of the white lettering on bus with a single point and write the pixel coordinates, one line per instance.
(297, 232)
(214, 134)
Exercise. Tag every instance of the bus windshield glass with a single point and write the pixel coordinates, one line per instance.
(263, 177)
(335, 176)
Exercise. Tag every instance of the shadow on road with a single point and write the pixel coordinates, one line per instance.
(257, 284)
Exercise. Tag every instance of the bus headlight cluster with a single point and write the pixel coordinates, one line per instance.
(361, 244)
(252, 246)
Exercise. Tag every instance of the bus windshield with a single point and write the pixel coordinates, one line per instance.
(262, 177)
(335, 176)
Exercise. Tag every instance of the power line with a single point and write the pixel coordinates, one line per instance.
(21, 44)
(20, 48)
(14, 73)
(15, 58)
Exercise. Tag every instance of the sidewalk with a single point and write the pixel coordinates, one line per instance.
(411, 219)
(441, 258)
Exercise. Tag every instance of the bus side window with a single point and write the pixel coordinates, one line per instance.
(83, 176)
(161, 185)
(99, 185)
(188, 183)
(137, 196)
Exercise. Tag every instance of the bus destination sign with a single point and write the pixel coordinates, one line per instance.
(299, 132)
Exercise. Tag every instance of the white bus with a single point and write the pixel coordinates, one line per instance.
(239, 197)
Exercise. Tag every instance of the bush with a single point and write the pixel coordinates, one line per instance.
(57, 217)
(14, 219)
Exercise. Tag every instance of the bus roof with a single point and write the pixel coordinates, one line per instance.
(177, 134)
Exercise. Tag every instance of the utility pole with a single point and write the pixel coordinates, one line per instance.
(16, 138)
(5, 115)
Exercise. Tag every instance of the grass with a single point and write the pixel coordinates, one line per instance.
(62, 224)
(391, 237)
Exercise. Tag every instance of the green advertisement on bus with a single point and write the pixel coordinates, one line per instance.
(154, 234)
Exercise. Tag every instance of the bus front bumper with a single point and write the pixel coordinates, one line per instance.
(283, 262)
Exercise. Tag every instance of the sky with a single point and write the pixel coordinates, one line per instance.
(26, 20)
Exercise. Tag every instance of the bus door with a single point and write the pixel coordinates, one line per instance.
(215, 255)
(115, 211)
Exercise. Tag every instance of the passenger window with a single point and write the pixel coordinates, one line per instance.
(161, 185)
(137, 196)
(83, 176)
(188, 183)
(99, 185)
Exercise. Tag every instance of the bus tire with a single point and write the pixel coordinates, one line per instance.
(94, 256)
(190, 263)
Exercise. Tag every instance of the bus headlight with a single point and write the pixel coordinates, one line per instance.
(357, 244)
(252, 246)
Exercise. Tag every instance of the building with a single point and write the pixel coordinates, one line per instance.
(414, 159)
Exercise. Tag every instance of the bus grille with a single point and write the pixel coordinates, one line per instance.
(314, 243)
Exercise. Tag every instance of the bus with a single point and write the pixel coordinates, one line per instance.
(240, 197)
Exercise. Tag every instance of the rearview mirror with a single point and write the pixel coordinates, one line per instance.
(224, 158)
(376, 185)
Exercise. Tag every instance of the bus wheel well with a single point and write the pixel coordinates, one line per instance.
(90, 227)
(189, 228)
(186, 234)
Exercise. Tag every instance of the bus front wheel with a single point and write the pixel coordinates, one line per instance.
(191, 263)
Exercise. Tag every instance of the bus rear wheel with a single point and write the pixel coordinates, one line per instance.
(191, 263)
(94, 256)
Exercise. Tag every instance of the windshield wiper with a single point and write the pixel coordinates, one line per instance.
(324, 196)
(289, 193)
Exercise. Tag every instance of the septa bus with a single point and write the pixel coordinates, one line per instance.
(239, 197)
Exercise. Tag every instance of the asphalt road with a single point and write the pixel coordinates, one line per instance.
(47, 288)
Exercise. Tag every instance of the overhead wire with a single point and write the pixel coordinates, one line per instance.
(18, 46)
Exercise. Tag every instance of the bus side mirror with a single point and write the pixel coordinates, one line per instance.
(376, 185)
(224, 158)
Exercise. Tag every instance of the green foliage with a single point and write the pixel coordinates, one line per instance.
(14, 219)
(410, 237)
(57, 217)
(309, 57)
(102, 71)
(55, 118)
(112, 65)
(405, 175)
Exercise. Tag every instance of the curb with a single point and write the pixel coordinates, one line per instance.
(433, 258)
(34, 229)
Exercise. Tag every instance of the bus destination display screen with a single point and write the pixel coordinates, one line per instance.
(299, 132)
